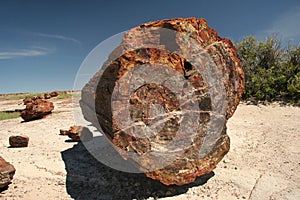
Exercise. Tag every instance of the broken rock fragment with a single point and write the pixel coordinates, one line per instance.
(47, 96)
(54, 94)
(27, 100)
(63, 132)
(78, 133)
(18, 141)
(7, 172)
(37, 109)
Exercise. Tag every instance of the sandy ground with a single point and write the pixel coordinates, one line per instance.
(263, 162)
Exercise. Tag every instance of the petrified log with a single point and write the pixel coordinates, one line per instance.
(37, 109)
(7, 171)
(164, 96)
(18, 141)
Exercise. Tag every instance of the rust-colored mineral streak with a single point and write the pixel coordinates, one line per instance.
(128, 85)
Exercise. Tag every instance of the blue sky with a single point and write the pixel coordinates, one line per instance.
(43, 43)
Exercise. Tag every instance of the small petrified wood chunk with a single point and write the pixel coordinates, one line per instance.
(18, 141)
(164, 96)
(7, 171)
(54, 94)
(78, 133)
(47, 96)
(27, 100)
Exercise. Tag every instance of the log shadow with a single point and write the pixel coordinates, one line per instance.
(87, 178)
(3, 189)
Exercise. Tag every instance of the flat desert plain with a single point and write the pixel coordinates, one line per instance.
(263, 162)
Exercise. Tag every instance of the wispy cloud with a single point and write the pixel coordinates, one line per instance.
(54, 36)
(286, 26)
(29, 52)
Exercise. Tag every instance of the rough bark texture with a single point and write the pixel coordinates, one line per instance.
(7, 171)
(167, 48)
(36, 109)
(18, 141)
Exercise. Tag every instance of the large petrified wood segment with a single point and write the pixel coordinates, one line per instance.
(163, 98)
(36, 109)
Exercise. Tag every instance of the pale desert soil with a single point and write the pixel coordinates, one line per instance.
(263, 162)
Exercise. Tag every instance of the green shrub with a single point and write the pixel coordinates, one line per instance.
(61, 95)
(9, 115)
(20, 96)
(64, 95)
(272, 73)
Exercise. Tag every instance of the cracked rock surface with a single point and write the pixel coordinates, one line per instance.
(164, 96)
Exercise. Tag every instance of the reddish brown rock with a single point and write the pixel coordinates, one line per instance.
(36, 97)
(37, 109)
(78, 133)
(27, 100)
(47, 96)
(63, 132)
(31, 99)
(54, 94)
(194, 56)
(7, 171)
(18, 141)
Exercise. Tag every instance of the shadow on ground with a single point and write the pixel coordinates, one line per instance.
(87, 178)
(3, 189)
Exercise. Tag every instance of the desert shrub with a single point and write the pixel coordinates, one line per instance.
(19, 96)
(61, 95)
(64, 95)
(9, 115)
(272, 73)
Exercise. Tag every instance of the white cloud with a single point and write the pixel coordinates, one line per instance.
(286, 26)
(30, 52)
(60, 37)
